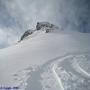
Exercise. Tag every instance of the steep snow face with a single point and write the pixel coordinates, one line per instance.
(47, 61)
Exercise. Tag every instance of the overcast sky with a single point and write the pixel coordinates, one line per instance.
(16, 16)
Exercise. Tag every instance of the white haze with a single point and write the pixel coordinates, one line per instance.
(20, 15)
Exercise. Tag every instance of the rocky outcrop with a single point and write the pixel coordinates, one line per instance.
(45, 26)
(41, 25)
(27, 33)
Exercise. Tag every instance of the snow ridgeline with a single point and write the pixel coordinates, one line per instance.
(44, 26)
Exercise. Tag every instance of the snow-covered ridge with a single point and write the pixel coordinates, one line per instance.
(43, 26)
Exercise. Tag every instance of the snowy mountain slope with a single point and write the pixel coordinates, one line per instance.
(47, 61)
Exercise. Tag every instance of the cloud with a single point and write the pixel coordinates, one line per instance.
(71, 14)
(7, 38)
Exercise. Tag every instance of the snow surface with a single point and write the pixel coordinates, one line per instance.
(47, 61)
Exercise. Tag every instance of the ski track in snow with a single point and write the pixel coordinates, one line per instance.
(48, 76)
(57, 77)
(80, 70)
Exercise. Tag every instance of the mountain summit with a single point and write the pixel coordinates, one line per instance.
(43, 26)
(46, 25)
